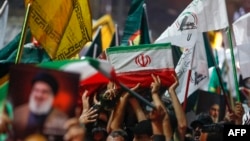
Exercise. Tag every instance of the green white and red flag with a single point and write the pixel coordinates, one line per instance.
(92, 72)
(135, 64)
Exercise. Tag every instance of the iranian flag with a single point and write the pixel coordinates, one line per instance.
(135, 64)
(93, 72)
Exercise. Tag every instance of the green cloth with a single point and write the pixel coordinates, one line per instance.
(95, 46)
(208, 49)
(9, 109)
(136, 22)
(30, 54)
(13, 45)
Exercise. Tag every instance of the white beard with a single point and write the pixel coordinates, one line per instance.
(42, 108)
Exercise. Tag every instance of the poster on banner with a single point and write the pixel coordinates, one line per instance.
(43, 100)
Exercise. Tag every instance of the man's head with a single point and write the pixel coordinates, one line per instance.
(143, 131)
(214, 111)
(44, 88)
(117, 135)
(201, 120)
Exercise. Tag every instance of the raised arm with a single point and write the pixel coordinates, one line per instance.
(119, 110)
(140, 115)
(88, 115)
(160, 126)
(179, 112)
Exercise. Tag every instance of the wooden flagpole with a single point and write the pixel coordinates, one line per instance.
(23, 35)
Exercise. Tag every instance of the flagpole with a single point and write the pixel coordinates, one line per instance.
(95, 50)
(117, 42)
(219, 76)
(233, 63)
(137, 95)
(146, 14)
(186, 91)
(3, 7)
(23, 34)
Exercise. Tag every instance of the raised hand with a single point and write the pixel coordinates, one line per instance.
(75, 132)
(4, 122)
(88, 114)
(85, 101)
(174, 85)
(111, 91)
(155, 86)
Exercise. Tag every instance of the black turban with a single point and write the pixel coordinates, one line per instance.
(47, 78)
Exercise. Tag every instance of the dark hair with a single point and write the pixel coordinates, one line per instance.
(119, 132)
(143, 127)
(201, 120)
(47, 78)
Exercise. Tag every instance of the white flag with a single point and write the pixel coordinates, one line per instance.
(194, 59)
(199, 16)
(244, 59)
(241, 30)
(4, 10)
(184, 40)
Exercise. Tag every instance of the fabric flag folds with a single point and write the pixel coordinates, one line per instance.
(135, 64)
(62, 27)
(244, 59)
(92, 71)
(136, 28)
(198, 16)
(30, 54)
(108, 29)
(214, 85)
(95, 48)
(193, 59)
(242, 39)
(4, 11)
(240, 29)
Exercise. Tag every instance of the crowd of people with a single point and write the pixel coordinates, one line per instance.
(113, 114)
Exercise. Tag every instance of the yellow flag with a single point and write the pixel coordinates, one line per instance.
(62, 27)
(108, 29)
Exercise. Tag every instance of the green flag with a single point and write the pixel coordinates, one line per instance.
(115, 39)
(30, 54)
(214, 85)
(13, 45)
(95, 48)
(136, 26)
(145, 37)
(176, 52)
(208, 47)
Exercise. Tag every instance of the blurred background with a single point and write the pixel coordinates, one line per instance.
(161, 13)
